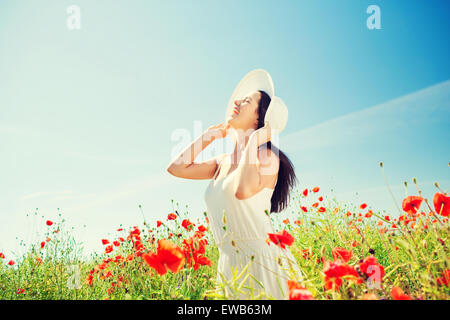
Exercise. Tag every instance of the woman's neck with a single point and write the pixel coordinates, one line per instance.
(241, 138)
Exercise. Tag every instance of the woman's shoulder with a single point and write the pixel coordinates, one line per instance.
(220, 157)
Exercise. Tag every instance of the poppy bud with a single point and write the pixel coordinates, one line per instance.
(279, 262)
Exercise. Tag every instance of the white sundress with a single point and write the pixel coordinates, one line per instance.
(244, 242)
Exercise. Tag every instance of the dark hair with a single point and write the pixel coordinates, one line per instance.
(286, 174)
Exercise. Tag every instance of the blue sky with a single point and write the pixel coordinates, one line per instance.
(87, 116)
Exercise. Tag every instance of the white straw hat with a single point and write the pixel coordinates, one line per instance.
(259, 79)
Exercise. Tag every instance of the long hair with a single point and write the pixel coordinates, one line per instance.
(286, 174)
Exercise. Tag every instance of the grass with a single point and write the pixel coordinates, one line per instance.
(411, 249)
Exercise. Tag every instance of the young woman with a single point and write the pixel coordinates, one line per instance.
(245, 187)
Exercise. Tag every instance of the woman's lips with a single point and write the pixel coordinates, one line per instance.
(236, 110)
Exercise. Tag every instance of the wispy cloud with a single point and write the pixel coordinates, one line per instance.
(123, 191)
(44, 194)
(108, 159)
(431, 104)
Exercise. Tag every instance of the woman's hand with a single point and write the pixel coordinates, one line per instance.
(262, 135)
(219, 131)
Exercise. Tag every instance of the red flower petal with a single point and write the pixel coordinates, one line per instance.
(441, 204)
(341, 253)
(411, 204)
(398, 294)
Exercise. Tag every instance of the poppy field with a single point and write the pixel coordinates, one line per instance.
(345, 252)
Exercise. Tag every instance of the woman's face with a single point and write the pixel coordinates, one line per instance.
(244, 115)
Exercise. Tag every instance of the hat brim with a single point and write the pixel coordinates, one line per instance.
(260, 79)
(255, 80)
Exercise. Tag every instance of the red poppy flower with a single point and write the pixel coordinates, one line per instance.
(118, 258)
(363, 206)
(187, 224)
(398, 294)
(338, 268)
(11, 263)
(334, 271)
(49, 223)
(281, 239)
(42, 244)
(441, 204)
(332, 283)
(2, 256)
(316, 189)
(286, 221)
(204, 261)
(171, 216)
(168, 257)
(305, 192)
(135, 232)
(341, 253)
(202, 228)
(297, 292)
(116, 243)
(109, 249)
(320, 198)
(315, 205)
(138, 246)
(193, 250)
(89, 280)
(104, 241)
(322, 209)
(411, 204)
(304, 209)
(371, 268)
(158, 223)
(20, 291)
(445, 279)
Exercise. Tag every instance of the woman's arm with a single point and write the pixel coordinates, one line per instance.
(258, 167)
(183, 166)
